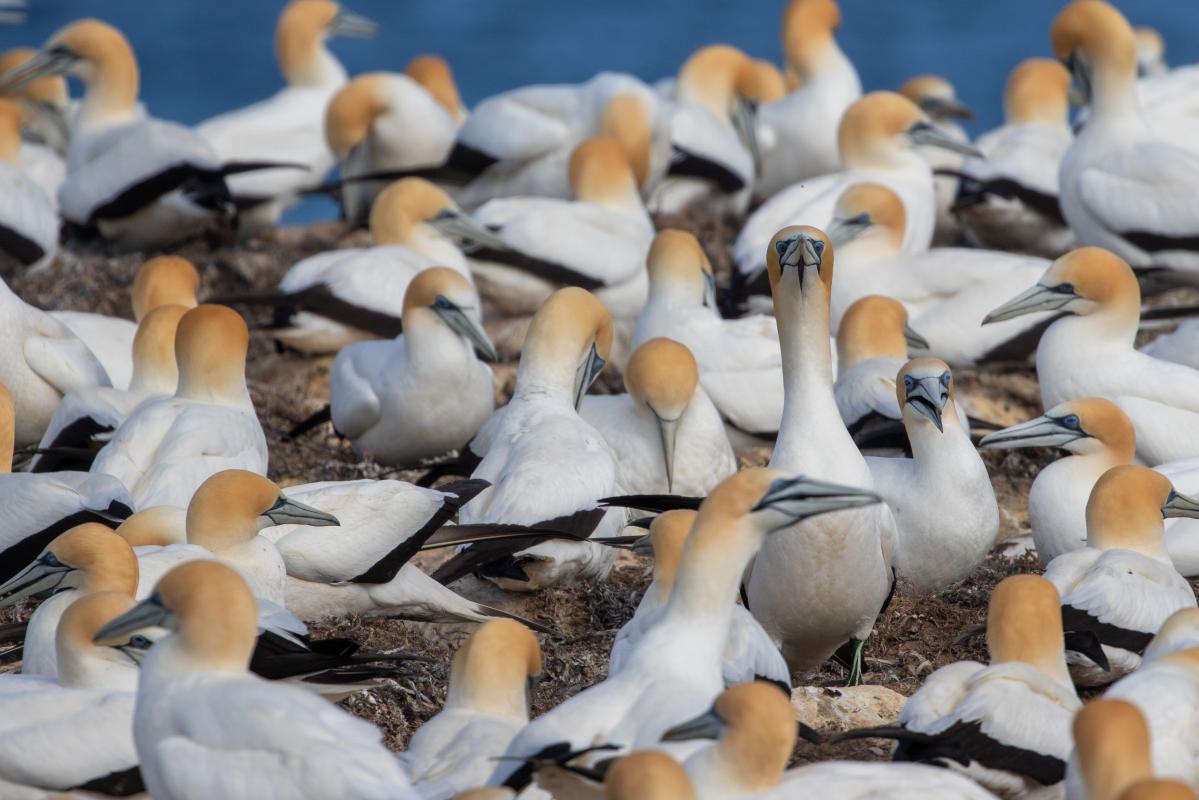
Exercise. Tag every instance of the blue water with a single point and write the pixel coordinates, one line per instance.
(201, 58)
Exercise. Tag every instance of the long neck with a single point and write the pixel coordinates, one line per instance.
(709, 573)
(7, 438)
(1114, 95)
(496, 689)
(112, 90)
(432, 346)
(938, 452)
(305, 61)
(828, 66)
(81, 666)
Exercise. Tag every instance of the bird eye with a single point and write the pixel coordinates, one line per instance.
(908, 381)
(1072, 422)
(443, 302)
(919, 126)
(1063, 288)
(51, 560)
(945, 378)
(780, 247)
(140, 642)
(818, 246)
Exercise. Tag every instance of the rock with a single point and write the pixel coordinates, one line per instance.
(843, 708)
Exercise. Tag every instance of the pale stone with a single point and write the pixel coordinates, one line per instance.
(844, 708)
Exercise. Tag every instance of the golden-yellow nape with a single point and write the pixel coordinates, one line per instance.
(1098, 33)
(872, 327)
(213, 611)
(10, 129)
(402, 206)
(299, 36)
(162, 281)
(795, 247)
(870, 125)
(920, 87)
(8, 430)
(1158, 789)
(711, 75)
(157, 525)
(566, 327)
(759, 732)
(925, 385)
(880, 203)
(1111, 741)
(1126, 508)
(676, 255)
(210, 351)
(49, 90)
(764, 82)
(1038, 90)
(105, 561)
(1024, 624)
(154, 367)
(807, 29)
(668, 533)
(662, 374)
(85, 616)
(492, 671)
(600, 172)
(647, 775)
(106, 63)
(430, 283)
(225, 508)
(352, 110)
(1097, 275)
(434, 73)
(1101, 419)
(627, 120)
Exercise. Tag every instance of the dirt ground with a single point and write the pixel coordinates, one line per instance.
(915, 636)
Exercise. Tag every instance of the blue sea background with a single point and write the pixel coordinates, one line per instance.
(201, 58)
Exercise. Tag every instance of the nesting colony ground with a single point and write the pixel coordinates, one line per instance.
(912, 638)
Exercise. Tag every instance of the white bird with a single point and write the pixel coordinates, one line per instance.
(1009, 199)
(877, 139)
(803, 124)
(362, 566)
(205, 727)
(385, 121)
(1122, 586)
(333, 299)
(946, 290)
(487, 703)
(945, 509)
(28, 219)
(140, 182)
(168, 446)
(1122, 187)
(85, 416)
(748, 652)
(1005, 725)
(425, 393)
(936, 97)
(43, 361)
(163, 280)
(1098, 293)
(872, 346)
(545, 464)
(821, 582)
(596, 241)
(1118, 745)
(518, 143)
(674, 670)
(754, 728)
(666, 419)
(46, 106)
(713, 134)
(289, 125)
(740, 364)
(36, 508)
(59, 734)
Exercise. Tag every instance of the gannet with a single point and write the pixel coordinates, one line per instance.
(1009, 199)
(877, 139)
(333, 299)
(76, 730)
(713, 134)
(748, 652)
(518, 143)
(596, 241)
(36, 508)
(163, 280)
(168, 446)
(1112, 746)
(434, 74)
(872, 346)
(545, 464)
(361, 567)
(937, 97)
(204, 726)
(1005, 725)
(426, 392)
(754, 728)
(384, 121)
(665, 420)
(740, 365)
(1100, 302)
(28, 219)
(487, 703)
(803, 125)
(810, 594)
(945, 509)
(1122, 586)
(946, 290)
(46, 106)
(289, 125)
(87, 558)
(674, 670)
(1151, 51)
(1122, 187)
(138, 181)
(85, 416)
